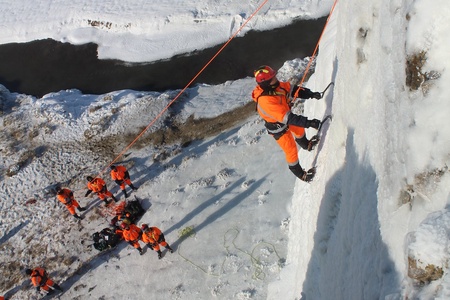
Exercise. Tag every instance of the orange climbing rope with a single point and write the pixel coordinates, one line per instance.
(184, 89)
(206, 65)
(315, 50)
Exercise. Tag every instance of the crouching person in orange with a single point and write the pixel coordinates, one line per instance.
(273, 102)
(41, 281)
(98, 186)
(65, 196)
(153, 237)
(121, 176)
(132, 234)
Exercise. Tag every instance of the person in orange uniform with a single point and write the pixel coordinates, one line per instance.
(121, 176)
(273, 100)
(41, 281)
(153, 237)
(132, 234)
(65, 196)
(98, 186)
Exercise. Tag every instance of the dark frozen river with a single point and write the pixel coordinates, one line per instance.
(39, 67)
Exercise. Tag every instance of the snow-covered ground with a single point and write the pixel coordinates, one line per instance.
(241, 225)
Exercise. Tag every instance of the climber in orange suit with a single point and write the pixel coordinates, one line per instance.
(41, 281)
(98, 186)
(121, 176)
(132, 234)
(153, 237)
(273, 100)
(65, 196)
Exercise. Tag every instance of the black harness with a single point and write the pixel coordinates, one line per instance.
(276, 129)
(44, 277)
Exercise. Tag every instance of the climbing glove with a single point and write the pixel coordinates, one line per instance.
(316, 95)
(314, 123)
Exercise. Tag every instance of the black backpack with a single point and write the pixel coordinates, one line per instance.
(135, 209)
(105, 239)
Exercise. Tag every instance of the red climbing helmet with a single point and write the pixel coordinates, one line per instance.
(124, 225)
(264, 73)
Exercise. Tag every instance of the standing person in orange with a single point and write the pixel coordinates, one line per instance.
(121, 176)
(41, 281)
(273, 100)
(98, 186)
(132, 234)
(153, 237)
(65, 196)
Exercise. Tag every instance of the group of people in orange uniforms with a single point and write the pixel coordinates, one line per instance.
(131, 233)
(151, 236)
(120, 175)
(96, 185)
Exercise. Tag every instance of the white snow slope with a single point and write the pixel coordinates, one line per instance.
(375, 213)
(383, 169)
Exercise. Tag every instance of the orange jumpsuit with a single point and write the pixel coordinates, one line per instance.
(275, 108)
(66, 198)
(154, 237)
(98, 186)
(120, 176)
(39, 278)
(132, 234)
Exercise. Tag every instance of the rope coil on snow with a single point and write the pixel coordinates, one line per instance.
(258, 274)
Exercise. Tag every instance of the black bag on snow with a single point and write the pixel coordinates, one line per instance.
(105, 239)
(135, 209)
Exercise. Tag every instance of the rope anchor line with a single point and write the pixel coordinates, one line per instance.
(185, 88)
(308, 66)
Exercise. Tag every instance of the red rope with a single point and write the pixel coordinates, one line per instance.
(315, 50)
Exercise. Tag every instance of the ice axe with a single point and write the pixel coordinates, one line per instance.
(323, 92)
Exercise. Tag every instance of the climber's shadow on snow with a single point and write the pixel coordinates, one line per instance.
(88, 266)
(13, 232)
(91, 205)
(195, 148)
(229, 205)
(349, 250)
